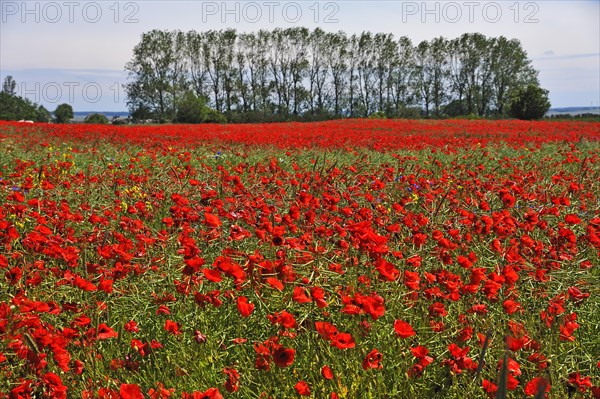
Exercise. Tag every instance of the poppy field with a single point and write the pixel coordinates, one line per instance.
(343, 259)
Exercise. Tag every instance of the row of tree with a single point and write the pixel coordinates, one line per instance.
(291, 73)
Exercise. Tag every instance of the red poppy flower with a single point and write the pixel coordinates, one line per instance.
(343, 341)
(130, 391)
(244, 307)
(283, 357)
(212, 220)
(160, 392)
(419, 351)
(131, 326)
(162, 309)
(233, 379)
(327, 330)
(537, 385)
(300, 295)
(490, 388)
(172, 327)
(582, 384)
(403, 329)
(275, 283)
(372, 361)
(105, 332)
(572, 219)
(212, 275)
(210, 393)
(283, 318)
(302, 388)
(326, 372)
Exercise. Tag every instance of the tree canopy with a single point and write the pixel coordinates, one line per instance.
(97, 119)
(296, 73)
(14, 108)
(63, 113)
(529, 102)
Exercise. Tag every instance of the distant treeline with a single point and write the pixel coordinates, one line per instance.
(298, 74)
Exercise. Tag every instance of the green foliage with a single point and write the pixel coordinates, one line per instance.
(119, 121)
(213, 116)
(14, 108)
(141, 114)
(530, 102)
(191, 109)
(377, 115)
(296, 74)
(455, 108)
(9, 86)
(42, 114)
(97, 119)
(63, 113)
(157, 78)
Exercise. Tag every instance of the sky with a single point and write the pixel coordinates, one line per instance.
(75, 51)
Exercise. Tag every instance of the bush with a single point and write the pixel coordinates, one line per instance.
(63, 113)
(190, 109)
(42, 114)
(530, 102)
(455, 108)
(96, 119)
(141, 114)
(119, 121)
(213, 116)
(378, 115)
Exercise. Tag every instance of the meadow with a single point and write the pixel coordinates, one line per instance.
(343, 259)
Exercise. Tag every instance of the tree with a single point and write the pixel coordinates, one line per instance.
(191, 109)
(337, 60)
(158, 69)
(530, 102)
(97, 119)
(386, 61)
(295, 73)
(42, 114)
(424, 75)
(511, 69)
(9, 86)
(218, 51)
(367, 57)
(403, 74)
(63, 113)
(214, 116)
(440, 73)
(13, 107)
(317, 70)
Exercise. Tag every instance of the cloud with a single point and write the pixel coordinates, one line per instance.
(552, 56)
